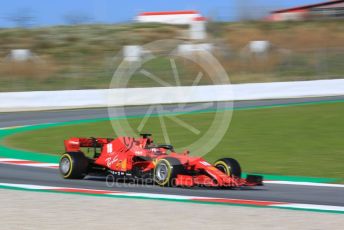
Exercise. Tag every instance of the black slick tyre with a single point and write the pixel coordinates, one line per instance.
(73, 165)
(229, 166)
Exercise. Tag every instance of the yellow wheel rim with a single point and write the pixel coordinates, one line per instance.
(223, 165)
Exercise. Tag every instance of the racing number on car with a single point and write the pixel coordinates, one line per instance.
(109, 148)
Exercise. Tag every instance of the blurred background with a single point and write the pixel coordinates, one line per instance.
(77, 45)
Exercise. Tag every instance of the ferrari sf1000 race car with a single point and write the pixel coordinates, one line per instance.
(141, 159)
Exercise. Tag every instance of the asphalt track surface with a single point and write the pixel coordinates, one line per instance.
(50, 177)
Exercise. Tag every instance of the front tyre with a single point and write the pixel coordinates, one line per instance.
(73, 165)
(166, 171)
(229, 166)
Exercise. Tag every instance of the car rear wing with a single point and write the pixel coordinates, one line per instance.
(75, 143)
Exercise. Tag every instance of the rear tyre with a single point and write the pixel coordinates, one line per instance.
(166, 171)
(73, 165)
(229, 166)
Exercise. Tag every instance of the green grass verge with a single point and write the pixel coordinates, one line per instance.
(297, 140)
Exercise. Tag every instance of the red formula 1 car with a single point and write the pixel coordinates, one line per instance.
(141, 159)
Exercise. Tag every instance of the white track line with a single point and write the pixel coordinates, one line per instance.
(30, 163)
(41, 165)
(11, 159)
(305, 183)
(29, 186)
(310, 206)
(12, 127)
